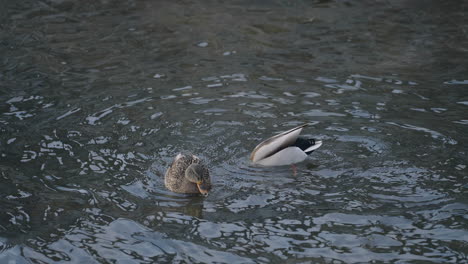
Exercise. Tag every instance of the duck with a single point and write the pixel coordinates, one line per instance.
(286, 148)
(189, 175)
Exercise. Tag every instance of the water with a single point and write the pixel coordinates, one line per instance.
(97, 98)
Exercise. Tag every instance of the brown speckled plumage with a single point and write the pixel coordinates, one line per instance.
(174, 178)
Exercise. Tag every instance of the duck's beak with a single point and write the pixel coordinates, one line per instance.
(203, 188)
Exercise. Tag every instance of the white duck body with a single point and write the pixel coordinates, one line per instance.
(287, 156)
(284, 149)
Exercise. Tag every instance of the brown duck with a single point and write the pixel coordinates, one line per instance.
(187, 174)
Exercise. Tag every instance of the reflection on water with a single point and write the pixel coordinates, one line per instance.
(97, 99)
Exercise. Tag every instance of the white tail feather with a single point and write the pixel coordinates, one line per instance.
(317, 145)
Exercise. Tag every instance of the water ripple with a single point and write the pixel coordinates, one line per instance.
(434, 134)
(91, 117)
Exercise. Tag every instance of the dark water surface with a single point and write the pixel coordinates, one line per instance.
(97, 97)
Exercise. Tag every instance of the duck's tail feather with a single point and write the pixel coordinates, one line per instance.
(315, 146)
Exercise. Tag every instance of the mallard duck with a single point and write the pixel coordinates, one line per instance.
(286, 148)
(187, 174)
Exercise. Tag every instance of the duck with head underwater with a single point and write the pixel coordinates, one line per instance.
(187, 174)
(286, 148)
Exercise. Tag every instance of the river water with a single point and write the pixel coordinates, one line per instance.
(97, 97)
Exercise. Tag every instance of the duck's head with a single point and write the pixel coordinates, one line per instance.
(199, 175)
